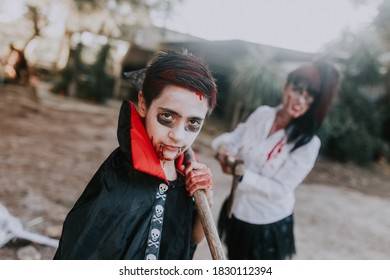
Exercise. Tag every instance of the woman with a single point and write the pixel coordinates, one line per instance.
(138, 205)
(279, 147)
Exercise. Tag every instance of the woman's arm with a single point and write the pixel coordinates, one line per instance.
(229, 144)
(292, 172)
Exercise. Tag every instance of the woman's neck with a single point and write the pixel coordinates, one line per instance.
(282, 119)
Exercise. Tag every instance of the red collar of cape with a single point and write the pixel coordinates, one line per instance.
(144, 156)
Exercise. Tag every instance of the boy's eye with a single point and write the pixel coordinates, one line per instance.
(167, 116)
(165, 119)
(194, 125)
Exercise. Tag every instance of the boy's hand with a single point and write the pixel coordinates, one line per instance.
(199, 177)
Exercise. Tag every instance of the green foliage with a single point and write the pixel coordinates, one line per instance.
(382, 20)
(256, 81)
(124, 14)
(382, 24)
(363, 66)
(72, 70)
(102, 85)
(352, 131)
(92, 81)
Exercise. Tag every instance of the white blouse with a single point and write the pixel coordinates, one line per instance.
(266, 192)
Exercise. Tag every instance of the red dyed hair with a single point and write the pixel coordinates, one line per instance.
(180, 69)
(321, 80)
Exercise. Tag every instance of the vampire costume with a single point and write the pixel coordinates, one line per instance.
(129, 210)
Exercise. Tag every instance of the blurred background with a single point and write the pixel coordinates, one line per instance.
(62, 63)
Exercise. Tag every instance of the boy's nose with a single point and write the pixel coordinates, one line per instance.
(177, 133)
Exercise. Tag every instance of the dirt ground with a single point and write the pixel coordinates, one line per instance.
(50, 147)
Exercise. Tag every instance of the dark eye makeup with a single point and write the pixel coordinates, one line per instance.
(166, 119)
(169, 119)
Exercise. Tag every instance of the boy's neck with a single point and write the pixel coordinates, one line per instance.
(169, 169)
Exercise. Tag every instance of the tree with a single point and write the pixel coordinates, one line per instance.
(106, 20)
(352, 131)
(256, 81)
(111, 17)
(382, 24)
(39, 21)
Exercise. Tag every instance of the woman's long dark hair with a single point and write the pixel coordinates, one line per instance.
(321, 80)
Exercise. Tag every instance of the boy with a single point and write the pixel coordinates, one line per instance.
(138, 205)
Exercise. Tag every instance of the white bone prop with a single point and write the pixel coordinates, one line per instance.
(11, 227)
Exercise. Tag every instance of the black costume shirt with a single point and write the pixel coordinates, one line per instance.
(112, 217)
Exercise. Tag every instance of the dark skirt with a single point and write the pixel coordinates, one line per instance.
(247, 241)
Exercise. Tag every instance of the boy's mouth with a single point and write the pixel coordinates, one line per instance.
(171, 149)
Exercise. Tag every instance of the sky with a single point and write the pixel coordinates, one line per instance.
(304, 25)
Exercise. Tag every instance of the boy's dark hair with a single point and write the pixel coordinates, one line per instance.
(180, 69)
(321, 80)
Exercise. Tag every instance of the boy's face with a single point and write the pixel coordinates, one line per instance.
(173, 120)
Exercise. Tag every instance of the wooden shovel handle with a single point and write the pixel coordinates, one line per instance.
(237, 166)
(206, 218)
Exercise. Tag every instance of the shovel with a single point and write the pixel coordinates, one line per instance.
(206, 218)
(237, 166)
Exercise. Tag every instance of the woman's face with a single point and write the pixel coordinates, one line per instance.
(173, 120)
(296, 100)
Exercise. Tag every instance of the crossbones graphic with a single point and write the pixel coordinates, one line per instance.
(155, 244)
(156, 218)
(163, 196)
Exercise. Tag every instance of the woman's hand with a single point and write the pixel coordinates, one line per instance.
(225, 159)
(199, 177)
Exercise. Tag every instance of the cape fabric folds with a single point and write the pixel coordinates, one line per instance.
(112, 217)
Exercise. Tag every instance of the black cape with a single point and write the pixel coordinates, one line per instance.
(112, 217)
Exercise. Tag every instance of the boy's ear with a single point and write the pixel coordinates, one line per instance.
(141, 105)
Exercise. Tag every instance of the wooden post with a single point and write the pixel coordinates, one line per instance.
(206, 218)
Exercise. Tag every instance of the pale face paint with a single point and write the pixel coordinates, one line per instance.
(173, 121)
(295, 104)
